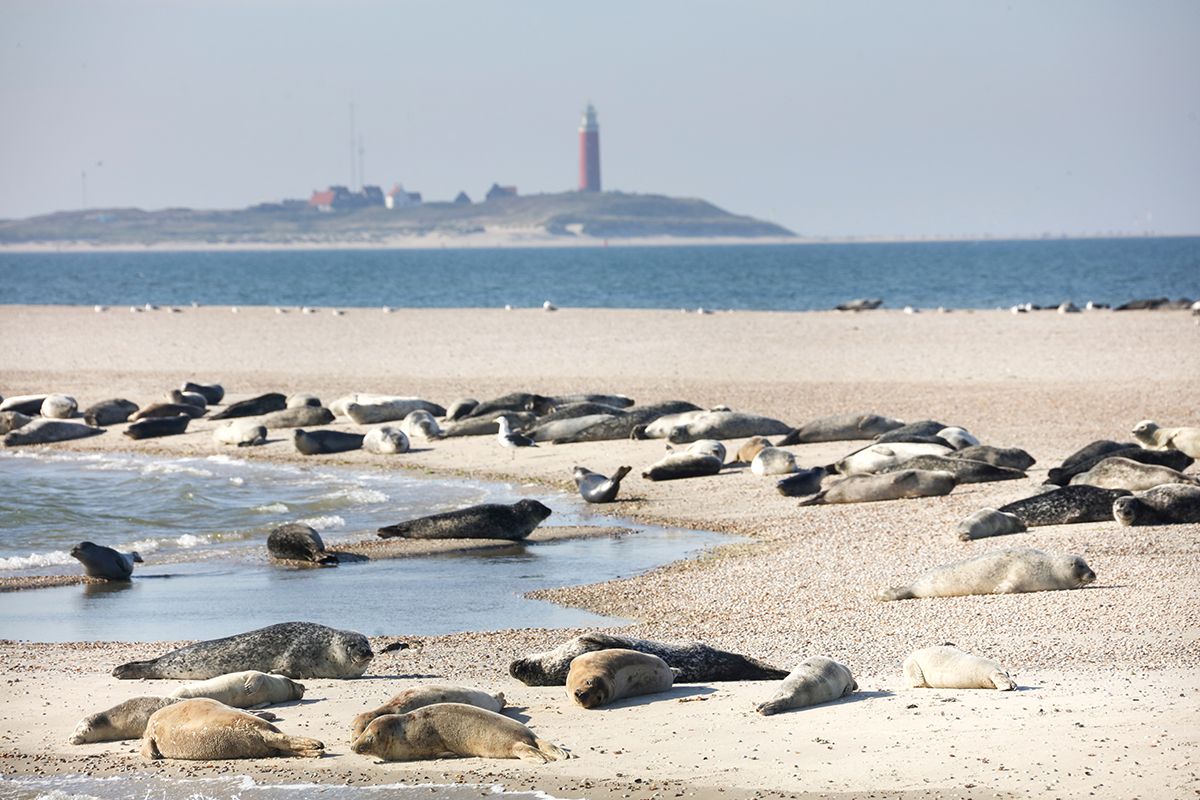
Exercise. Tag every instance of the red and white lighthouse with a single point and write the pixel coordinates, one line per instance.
(589, 152)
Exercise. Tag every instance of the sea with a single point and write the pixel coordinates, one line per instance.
(801, 277)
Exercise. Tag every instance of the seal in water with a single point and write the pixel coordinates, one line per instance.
(840, 427)
(947, 667)
(155, 410)
(48, 431)
(153, 427)
(1185, 440)
(303, 416)
(998, 572)
(604, 676)
(802, 483)
(104, 562)
(295, 649)
(213, 393)
(906, 483)
(254, 407)
(202, 730)
(314, 443)
(453, 729)
(596, 488)
(426, 695)
(989, 522)
(1065, 506)
(1170, 504)
(1116, 472)
(816, 680)
(695, 661)
(247, 689)
(109, 412)
(296, 541)
(487, 521)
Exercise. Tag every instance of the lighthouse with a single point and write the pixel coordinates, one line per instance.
(589, 152)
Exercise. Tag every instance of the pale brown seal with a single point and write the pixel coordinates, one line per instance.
(453, 729)
(418, 696)
(998, 572)
(816, 680)
(201, 730)
(604, 676)
(947, 667)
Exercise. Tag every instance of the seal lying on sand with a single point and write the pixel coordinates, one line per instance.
(314, 443)
(295, 649)
(998, 572)
(604, 676)
(421, 423)
(966, 470)
(240, 433)
(726, 425)
(920, 431)
(750, 448)
(596, 488)
(1174, 459)
(126, 720)
(303, 416)
(1008, 457)
(880, 457)
(773, 461)
(565, 428)
(27, 404)
(816, 680)
(802, 483)
(489, 425)
(59, 406)
(191, 398)
(1083, 459)
(109, 412)
(1170, 504)
(388, 409)
(154, 427)
(947, 667)
(201, 730)
(213, 392)
(905, 483)
(48, 431)
(104, 562)
(1116, 472)
(246, 689)
(453, 729)
(486, 521)
(1185, 440)
(253, 407)
(989, 522)
(301, 399)
(1065, 506)
(625, 426)
(460, 408)
(516, 401)
(686, 464)
(386, 440)
(419, 696)
(840, 427)
(14, 420)
(296, 541)
(695, 661)
(155, 410)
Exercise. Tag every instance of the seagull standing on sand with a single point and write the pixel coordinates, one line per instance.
(508, 438)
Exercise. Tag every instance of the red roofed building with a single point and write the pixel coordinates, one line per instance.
(322, 201)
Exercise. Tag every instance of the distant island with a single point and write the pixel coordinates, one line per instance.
(551, 219)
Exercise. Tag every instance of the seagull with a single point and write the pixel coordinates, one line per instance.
(508, 438)
(548, 306)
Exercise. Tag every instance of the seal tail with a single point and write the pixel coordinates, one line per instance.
(551, 751)
(895, 593)
(770, 707)
(294, 745)
(135, 670)
(816, 500)
(399, 529)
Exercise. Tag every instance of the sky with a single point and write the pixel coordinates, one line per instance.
(846, 118)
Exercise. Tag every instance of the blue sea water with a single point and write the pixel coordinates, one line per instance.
(981, 274)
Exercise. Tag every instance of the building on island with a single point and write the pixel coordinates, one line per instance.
(399, 198)
(462, 199)
(497, 191)
(339, 198)
(589, 151)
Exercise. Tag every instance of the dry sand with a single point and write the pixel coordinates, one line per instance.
(1109, 691)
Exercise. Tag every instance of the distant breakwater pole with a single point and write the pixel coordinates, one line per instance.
(589, 151)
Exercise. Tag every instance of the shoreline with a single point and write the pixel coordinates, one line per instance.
(1125, 667)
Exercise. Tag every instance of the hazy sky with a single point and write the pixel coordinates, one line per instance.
(837, 118)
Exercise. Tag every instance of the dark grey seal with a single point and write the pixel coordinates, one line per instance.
(1170, 504)
(153, 427)
(1083, 458)
(48, 431)
(861, 304)
(109, 412)
(596, 488)
(966, 470)
(191, 398)
(12, 420)
(517, 401)
(1010, 457)
(298, 417)
(104, 562)
(313, 443)
(1065, 506)
(627, 425)
(212, 392)
(486, 521)
(28, 404)
(168, 410)
(914, 432)
(294, 649)
(1172, 459)
(840, 427)
(296, 541)
(460, 408)
(255, 406)
(610, 400)
(485, 426)
(577, 410)
(802, 483)
(696, 661)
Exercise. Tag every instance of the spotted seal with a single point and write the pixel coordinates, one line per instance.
(296, 541)
(726, 425)
(13, 420)
(773, 461)
(109, 412)
(516, 401)
(1174, 459)
(190, 398)
(840, 427)
(295, 649)
(485, 521)
(680, 465)
(750, 449)
(802, 483)
(302, 399)
(959, 438)
(921, 431)
(489, 425)
(816, 680)
(200, 729)
(695, 661)
(460, 408)
(1065, 506)
(125, 720)
(28, 404)
(629, 424)
(426, 695)
(453, 729)
(421, 422)
(1170, 504)
(947, 667)
(596, 488)
(104, 562)
(604, 676)
(559, 429)
(876, 458)
(1008, 571)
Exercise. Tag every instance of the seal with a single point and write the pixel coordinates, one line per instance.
(947, 667)
(48, 431)
(554, 430)
(485, 426)
(13, 420)
(617, 401)
(959, 438)
(421, 422)
(726, 425)
(304, 416)
(104, 562)
(296, 541)
(1173, 459)
(295, 649)
(190, 398)
(453, 729)
(240, 432)
(1185, 440)
(965, 469)
(989, 522)
(155, 410)
(213, 392)
(516, 401)
(921, 431)
(201, 730)
(604, 676)
(627, 425)
(28, 404)
(303, 399)
(596, 488)
(696, 662)
(750, 448)
(126, 720)
(370, 409)
(709, 447)
(999, 572)
(880, 457)
(460, 409)
(839, 428)
(1007, 457)
(905, 483)
(773, 461)
(59, 406)
(686, 464)
(1065, 506)
(1116, 472)
(1171, 504)
(153, 427)
(253, 407)
(314, 443)
(1083, 459)
(247, 689)
(426, 695)
(802, 483)
(109, 412)
(661, 426)
(816, 680)
(564, 411)
(486, 521)
(386, 440)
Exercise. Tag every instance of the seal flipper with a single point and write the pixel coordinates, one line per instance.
(150, 749)
(135, 670)
(817, 499)
(896, 593)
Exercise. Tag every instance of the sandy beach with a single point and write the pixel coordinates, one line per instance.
(1108, 675)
